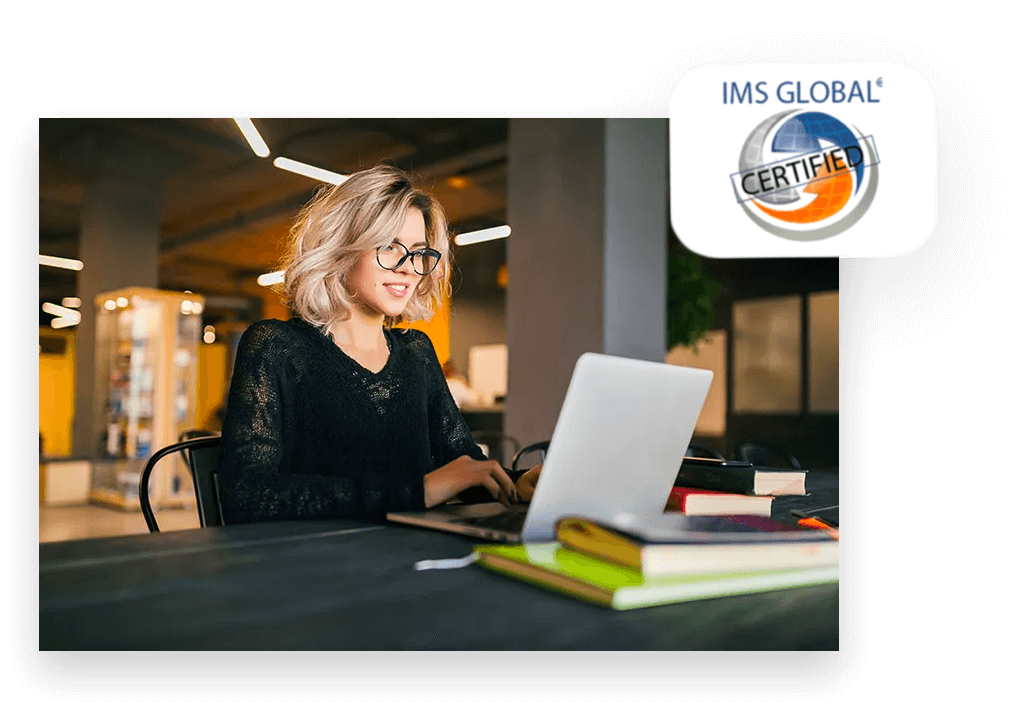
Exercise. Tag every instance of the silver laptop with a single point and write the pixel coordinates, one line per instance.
(617, 447)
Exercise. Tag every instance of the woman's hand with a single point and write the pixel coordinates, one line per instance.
(526, 483)
(464, 472)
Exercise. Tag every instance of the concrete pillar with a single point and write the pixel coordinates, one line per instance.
(587, 202)
(120, 231)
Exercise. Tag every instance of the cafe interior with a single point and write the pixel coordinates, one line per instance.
(159, 244)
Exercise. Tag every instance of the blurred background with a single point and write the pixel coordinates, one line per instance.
(159, 240)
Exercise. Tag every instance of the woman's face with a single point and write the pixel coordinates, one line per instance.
(385, 292)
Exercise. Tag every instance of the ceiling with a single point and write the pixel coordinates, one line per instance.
(225, 211)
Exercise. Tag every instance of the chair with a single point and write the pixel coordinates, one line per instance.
(702, 452)
(539, 447)
(202, 454)
(764, 454)
(193, 434)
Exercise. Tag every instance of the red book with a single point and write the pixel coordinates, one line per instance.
(697, 501)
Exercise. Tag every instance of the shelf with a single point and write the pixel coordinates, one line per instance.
(146, 375)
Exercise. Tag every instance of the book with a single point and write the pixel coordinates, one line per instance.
(740, 477)
(699, 501)
(677, 545)
(557, 568)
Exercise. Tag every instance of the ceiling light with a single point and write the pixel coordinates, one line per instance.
(63, 322)
(56, 261)
(483, 235)
(110, 304)
(71, 302)
(254, 138)
(56, 310)
(309, 171)
(121, 301)
(275, 277)
(209, 337)
(191, 307)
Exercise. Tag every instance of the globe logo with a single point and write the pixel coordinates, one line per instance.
(806, 175)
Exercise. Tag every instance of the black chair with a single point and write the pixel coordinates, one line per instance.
(701, 452)
(540, 447)
(193, 434)
(202, 455)
(496, 443)
(762, 453)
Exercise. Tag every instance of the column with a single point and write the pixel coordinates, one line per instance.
(120, 231)
(587, 203)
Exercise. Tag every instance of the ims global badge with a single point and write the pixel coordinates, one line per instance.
(803, 160)
(806, 175)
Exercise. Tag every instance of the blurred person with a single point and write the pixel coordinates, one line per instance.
(336, 413)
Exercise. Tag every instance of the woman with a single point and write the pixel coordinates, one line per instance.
(335, 413)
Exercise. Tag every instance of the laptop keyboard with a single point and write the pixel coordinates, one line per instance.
(510, 520)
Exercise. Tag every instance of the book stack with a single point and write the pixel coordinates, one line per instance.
(740, 477)
(717, 487)
(675, 558)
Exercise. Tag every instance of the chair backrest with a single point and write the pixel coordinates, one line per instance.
(540, 447)
(193, 434)
(762, 453)
(496, 443)
(203, 459)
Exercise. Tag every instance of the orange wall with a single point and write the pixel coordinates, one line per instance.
(272, 307)
(211, 383)
(57, 396)
(438, 328)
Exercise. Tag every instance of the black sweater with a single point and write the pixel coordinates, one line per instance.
(310, 433)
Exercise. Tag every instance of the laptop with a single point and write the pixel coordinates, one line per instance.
(617, 447)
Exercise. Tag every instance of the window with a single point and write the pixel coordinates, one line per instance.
(767, 357)
(711, 356)
(823, 347)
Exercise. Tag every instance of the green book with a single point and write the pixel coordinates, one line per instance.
(552, 566)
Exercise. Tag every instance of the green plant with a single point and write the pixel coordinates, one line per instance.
(691, 299)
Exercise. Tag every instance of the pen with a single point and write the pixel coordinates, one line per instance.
(815, 522)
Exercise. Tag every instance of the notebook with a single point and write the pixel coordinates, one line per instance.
(617, 447)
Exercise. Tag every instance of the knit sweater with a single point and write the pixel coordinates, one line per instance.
(311, 433)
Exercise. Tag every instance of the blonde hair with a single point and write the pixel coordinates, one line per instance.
(343, 222)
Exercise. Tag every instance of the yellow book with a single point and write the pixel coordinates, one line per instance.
(701, 544)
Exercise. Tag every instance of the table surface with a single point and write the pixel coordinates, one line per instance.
(349, 585)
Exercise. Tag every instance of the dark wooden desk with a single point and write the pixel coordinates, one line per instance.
(342, 585)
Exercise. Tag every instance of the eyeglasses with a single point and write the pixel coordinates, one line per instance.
(392, 256)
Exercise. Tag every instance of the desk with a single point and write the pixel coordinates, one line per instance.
(350, 585)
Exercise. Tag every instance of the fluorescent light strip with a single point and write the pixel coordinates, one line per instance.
(56, 310)
(66, 316)
(309, 171)
(275, 277)
(58, 262)
(71, 302)
(483, 235)
(254, 138)
(63, 322)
